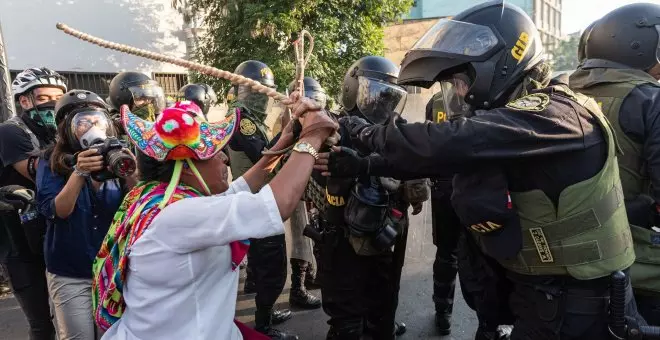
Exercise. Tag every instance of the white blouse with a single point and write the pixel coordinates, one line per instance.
(180, 284)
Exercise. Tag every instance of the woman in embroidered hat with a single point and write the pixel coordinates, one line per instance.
(168, 267)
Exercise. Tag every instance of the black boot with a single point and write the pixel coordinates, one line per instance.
(311, 278)
(400, 328)
(263, 323)
(443, 323)
(281, 315)
(299, 296)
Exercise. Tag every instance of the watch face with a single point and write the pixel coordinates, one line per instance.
(303, 146)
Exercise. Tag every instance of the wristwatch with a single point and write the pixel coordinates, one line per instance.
(304, 147)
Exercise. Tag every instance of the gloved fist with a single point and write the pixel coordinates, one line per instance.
(15, 197)
(342, 162)
(354, 124)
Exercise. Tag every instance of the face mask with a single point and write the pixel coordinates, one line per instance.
(146, 112)
(91, 137)
(44, 114)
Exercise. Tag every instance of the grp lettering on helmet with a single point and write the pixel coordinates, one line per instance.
(266, 72)
(518, 51)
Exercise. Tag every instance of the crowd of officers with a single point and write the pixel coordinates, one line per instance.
(540, 188)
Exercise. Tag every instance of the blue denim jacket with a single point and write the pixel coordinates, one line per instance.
(71, 244)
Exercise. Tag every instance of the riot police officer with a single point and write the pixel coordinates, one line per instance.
(200, 94)
(364, 218)
(143, 95)
(537, 181)
(302, 252)
(266, 270)
(621, 72)
(446, 232)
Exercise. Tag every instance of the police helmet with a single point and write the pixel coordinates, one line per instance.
(370, 86)
(313, 90)
(143, 95)
(583, 42)
(256, 70)
(257, 103)
(492, 45)
(200, 94)
(629, 35)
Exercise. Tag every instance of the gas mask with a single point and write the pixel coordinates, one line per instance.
(43, 114)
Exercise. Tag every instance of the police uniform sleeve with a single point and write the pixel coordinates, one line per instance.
(15, 144)
(644, 128)
(434, 149)
(248, 140)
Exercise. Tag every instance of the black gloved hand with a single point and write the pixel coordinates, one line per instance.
(345, 162)
(355, 126)
(15, 197)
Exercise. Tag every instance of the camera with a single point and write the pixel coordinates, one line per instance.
(119, 163)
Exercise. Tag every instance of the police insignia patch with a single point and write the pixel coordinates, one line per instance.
(247, 127)
(534, 102)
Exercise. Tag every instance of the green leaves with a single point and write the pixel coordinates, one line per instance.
(565, 55)
(343, 30)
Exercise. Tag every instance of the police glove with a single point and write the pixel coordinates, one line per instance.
(355, 125)
(345, 162)
(14, 198)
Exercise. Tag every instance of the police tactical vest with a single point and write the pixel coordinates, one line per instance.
(586, 236)
(239, 161)
(610, 87)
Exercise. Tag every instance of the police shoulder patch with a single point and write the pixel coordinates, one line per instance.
(534, 102)
(248, 128)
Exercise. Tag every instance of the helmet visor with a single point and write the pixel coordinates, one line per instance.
(255, 102)
(657, 51)
(148, 101)
(454, 90)
(317, 96)
(377, 100)
(457, 37)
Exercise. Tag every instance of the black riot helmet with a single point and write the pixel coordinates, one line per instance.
(482, 54)
(370, 87)
(85, 116)
(200, 94)
(629, 35)
(582, 46)
(257, 103)
(313, 90)
(143, 95)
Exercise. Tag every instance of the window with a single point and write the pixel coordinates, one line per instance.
(170, 82)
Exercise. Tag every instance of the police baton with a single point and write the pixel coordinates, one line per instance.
(623, 327)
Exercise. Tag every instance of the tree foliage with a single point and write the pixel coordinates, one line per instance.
(343, 30)
(565, 55)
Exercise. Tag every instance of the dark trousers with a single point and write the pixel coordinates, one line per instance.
(648, 306)
(356, 288)
(28, 282)
(446, 231)
(558, 309)
(267, 267)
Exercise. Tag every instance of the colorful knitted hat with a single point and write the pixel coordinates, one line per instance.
(179, 132)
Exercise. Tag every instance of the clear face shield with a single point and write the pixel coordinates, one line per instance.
(457, 37)
(257, 103)
(378, 100)
(91, 127)
(148, 101)
(454, 90)
(318, 97)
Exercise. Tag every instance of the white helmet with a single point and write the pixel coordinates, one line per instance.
(36, 77)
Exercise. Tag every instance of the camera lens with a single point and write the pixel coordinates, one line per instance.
(121, 164)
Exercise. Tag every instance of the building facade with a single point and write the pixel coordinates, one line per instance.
(32, 40)
(546, 14)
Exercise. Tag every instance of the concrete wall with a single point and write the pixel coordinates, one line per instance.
(32, 39)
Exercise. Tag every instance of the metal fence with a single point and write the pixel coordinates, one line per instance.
(99, 82)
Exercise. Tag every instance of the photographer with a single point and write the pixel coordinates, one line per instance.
(78, 192)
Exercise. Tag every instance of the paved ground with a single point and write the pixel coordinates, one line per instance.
(415, 307)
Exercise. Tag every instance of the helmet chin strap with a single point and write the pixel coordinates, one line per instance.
(176, 178)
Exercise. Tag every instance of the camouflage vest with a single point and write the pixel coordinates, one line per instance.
(609, 87)
(586, 236)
